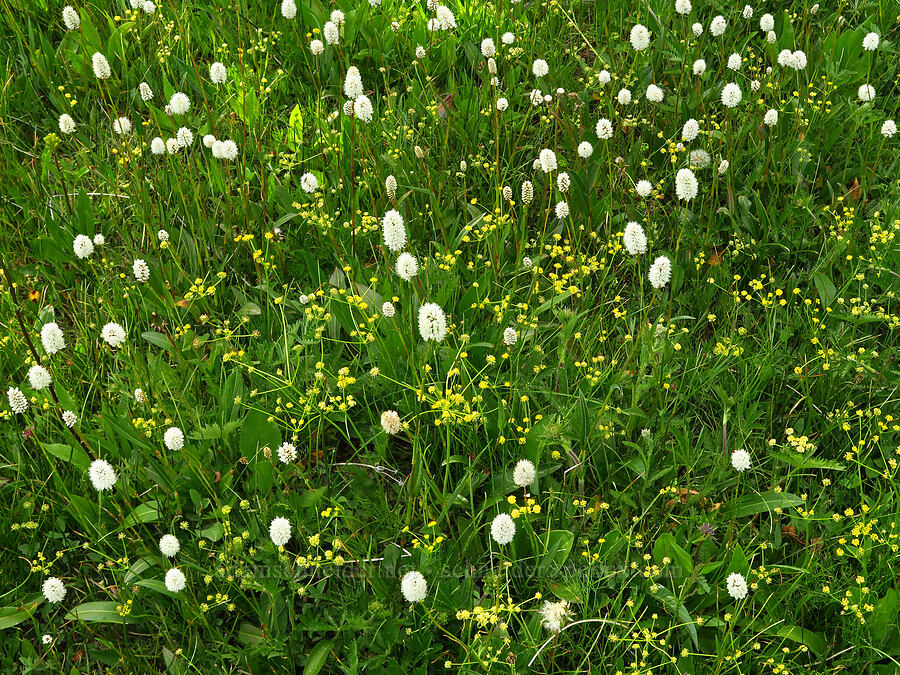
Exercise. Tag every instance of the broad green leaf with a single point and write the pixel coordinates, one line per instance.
(750, 505)
(557, 544)
(97, 612)
(317, 657)
(73, 454)
(148, 512)
(13, 616)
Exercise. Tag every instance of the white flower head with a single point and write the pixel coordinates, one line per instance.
(309, 182)
(643, 188)
(175, 580)
(83, 246)
(218, 73)
(280, 531)
(683, 7)
(889, 128)
(734, 62)
(524, 473)
(287, 453)
(145, 91)
(686, 185)
(17, 401)
(766, 23)
(394, 230)
(390, 422)
(102, 475)
(547, 159)
(52, 338)
(870, 42)
(39, 377)
(770, 119)
(503, 529)
(654, 94)
(174, 438)
(510, 337)
(432, 322)
(122, 125)
(66, 124)
(169, 545)
(69, 418)
(54, 590)
(554, 615)
(540, 68)
(737, 586)
(690, 130)
(699, 67)
(71, 18)
(635, 239)
(414, 587)
(585, 149)
(562, 210)
(488, 49)
(604, 129)
(639, 37)
(362, 109)
(388, 310)
(101, 66)
(331, 33)
(407, 266)
(113, 334)
(179, 103)
(624, 96)
(353, 86)
(740, 460)
(158, 146)
(866, 93)
(731, 95)
(717, 26)
(288, 9)
(660, 272)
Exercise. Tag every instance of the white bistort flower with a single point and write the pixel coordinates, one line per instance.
(288, 9)
(562, 210)
(102, 475)
(414, 587)
(503, 529)
(604, 129)
(122, 125)
(141, 271)
(17, 401)
(634, 239)
(717, 26)
(643, 188)
(866, 93)
(113, 334)
(145, 91)
(740, 460)
(585, 149)
(331, 33)
(407, 266)
(690, 130)
(547, 159)
(52, 338)
(39, 377)
(686, 185)
(169, 545)
(770, 119)
(870, 42)
(524, 473)
(175, 580)
(731, 95)
(654, 94)
(226, 150)
(280, 531)
(639, 37)
(317, 47)
(158, 146)
(353, 86)
(390, 422)
(394, 230)
(540, 68)
(218, 73)
(387, 309)
(488, 49)
(510, 337)
(699, 67)
(683, 7)
(734, 62)
(54, 590)
(432, 322)
(173, 146)
(83, 246)
(624, 96)
(697, 29)
(69, 418)
(101, 66)
(502, 104)
(66, 124)
(362, 109)
(723, 167)
(660, 272)
(766, 23)
(179, 103)
(309, 182)
(71, 18)
(889, 128)
(527, 192)
(736, 585)
(174, 438)
(287, 452)
(554, 615)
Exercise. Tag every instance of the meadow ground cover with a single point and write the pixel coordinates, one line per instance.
(451, 336)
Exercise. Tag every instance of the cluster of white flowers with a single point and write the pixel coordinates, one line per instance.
(280, 531)
(432, 322)
(634, 239)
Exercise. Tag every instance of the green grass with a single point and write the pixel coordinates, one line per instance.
(261, 323)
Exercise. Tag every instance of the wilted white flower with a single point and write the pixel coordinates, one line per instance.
(723, 166)
(740, 460)
(866, 93)
(122, 125)
(407, 266)
(660, 272)
(624, 96)
(754, 85)
(71, 18)
(432, 322)
(734, 62)
(288, 9)
(180, 103)
(17, 401)
(82, 246)
(414, 587)
(536, 97)
(889, 128)
(503, 529)
(175, 580)
(102, 475)
(218, 73)
(174, 438)
(731, 95)
(690, 130)
(699, 67)
(548, 160)
(394, 230)
(52, 338)
(639, 37)
(280, 531)
(554, 615)
(540, 68)
(585, 149)
(870, 42)
(69, 418)
(527, 263)
(140, 396)
(309, 182)
(654, 94)
(54, 590)
(169, 545)
(390, 422)
(604, 129)
(634, 239)
(736, 585)
(524, 473)
(717, 26)
(771, 118)
(66, 124)
(101, 66)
